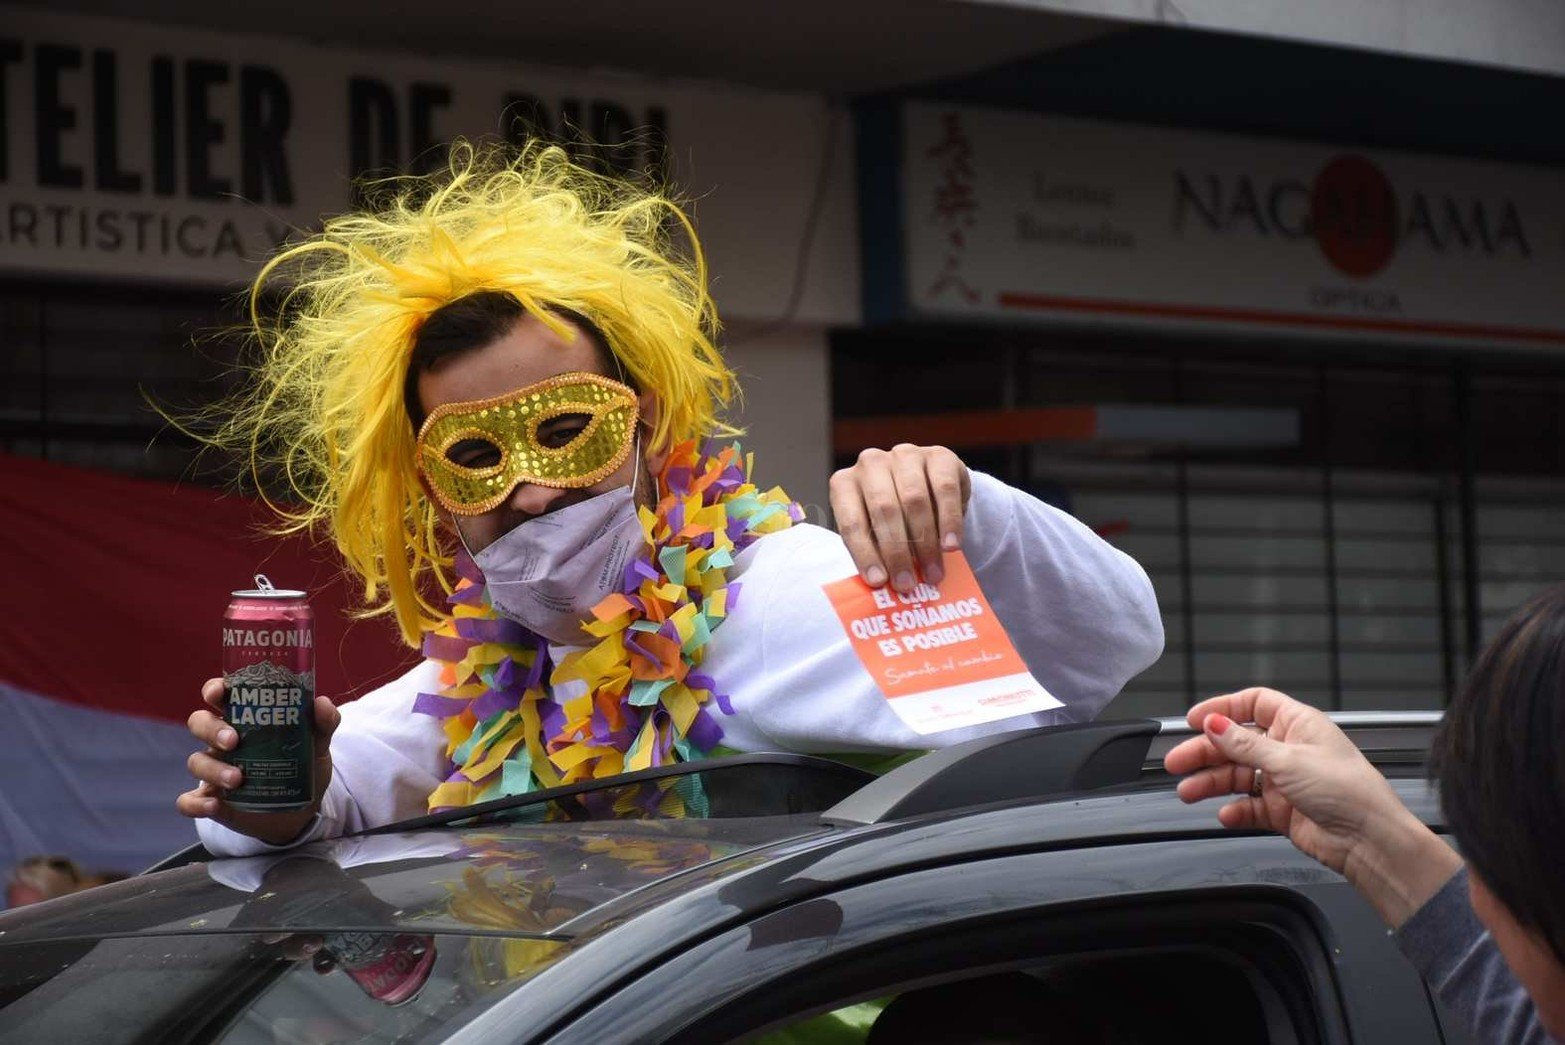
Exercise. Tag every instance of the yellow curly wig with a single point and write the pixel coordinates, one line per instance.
(325, 407)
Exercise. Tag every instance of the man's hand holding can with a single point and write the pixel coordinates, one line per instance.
(215, 777)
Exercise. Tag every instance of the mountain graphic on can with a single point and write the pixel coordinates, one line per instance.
(269, 682)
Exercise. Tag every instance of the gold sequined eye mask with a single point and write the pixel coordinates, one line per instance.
(474, 454)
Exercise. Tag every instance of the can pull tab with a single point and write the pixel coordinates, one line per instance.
(262, 584)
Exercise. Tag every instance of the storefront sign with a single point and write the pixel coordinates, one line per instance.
(135, 151)
(1037, 217)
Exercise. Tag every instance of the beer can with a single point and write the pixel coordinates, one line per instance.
(269, 678)
(389, 968)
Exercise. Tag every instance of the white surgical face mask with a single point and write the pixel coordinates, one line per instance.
(548, 573)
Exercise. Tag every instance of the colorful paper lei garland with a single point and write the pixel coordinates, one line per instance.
(636, 699)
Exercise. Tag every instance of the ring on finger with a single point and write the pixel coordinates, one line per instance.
(1257, 781)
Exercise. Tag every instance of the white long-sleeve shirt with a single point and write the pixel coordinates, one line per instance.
(1080, 612)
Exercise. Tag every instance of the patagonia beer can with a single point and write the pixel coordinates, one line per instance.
(390, 968)
(269, 676)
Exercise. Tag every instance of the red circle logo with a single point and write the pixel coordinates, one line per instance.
(1353, 213)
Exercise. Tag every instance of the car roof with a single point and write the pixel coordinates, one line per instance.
(490, 873)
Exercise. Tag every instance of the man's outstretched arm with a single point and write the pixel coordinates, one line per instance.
(1081, 613)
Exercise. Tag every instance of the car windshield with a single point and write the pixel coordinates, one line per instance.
(395, 936)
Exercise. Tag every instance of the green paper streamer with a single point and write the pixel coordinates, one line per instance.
(762, 515)
(644, 692)
(743, 505)
(672, 559)
(490, 793)
(481, 736)
(700, 633)
(516, 773)
(697, 807)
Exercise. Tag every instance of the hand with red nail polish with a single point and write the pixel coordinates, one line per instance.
(1315, 787)
(900, 510)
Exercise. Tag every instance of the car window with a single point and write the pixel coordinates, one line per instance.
(250, 989)
(1007, 938)
(1071, 1001)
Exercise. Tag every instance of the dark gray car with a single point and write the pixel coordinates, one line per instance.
(1037, 886)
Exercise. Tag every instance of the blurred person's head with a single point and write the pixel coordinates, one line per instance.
(40, 878)
(97, 878)
(1499, 762)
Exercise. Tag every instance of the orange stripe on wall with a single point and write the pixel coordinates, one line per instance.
(966, 428)
(1051, 303)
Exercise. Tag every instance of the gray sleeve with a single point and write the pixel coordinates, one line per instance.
(1459, 960)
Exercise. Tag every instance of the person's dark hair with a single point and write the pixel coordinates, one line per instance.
(1499, 758)
(472, 322)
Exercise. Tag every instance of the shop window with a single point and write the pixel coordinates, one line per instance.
(1334, 566)
(79, 364)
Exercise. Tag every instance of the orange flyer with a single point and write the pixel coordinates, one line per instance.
(939, 654)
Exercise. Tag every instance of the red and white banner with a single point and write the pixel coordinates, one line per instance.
(114, 596)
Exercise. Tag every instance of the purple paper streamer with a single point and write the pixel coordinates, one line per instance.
(445, 647)
(649, 799)
(466, 568)
(505, 674)
(493, 629)
(636, 571)
(435, 705)
(492, 702)
(663, 738)
(704, 733)
(551, 718)
(540, 665)
(637, 648)
(706, 682)
(733, 595)
(598, 724)
(678, 480)
(472, 595)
